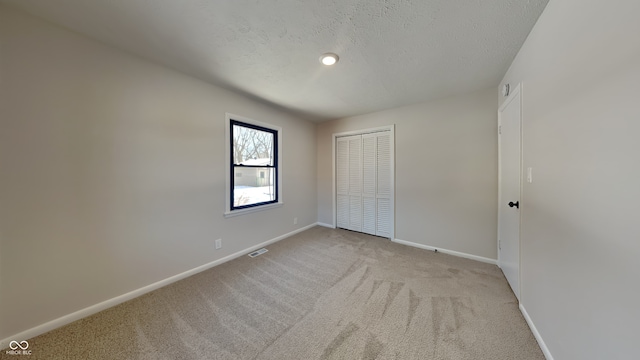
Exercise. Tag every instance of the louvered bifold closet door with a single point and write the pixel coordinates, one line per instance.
(364, 183)
(384, 184)
(355, 183)
(342, 182)
(369, 184)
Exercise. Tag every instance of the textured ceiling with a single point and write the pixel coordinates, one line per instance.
(392, 52)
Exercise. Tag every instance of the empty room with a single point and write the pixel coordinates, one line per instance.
(341, 179)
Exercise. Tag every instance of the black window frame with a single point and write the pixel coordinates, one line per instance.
(233, 166)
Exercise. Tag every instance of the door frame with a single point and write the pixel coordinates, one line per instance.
(334, 136)
(512, 96)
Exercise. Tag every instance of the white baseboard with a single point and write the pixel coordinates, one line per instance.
(445, 251)
(534, 330)
(326, 225)
(67, 319)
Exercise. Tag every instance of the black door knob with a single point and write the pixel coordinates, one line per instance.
(516, 204)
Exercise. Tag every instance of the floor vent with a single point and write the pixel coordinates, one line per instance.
(258, 252)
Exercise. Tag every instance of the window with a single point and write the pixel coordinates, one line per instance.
(253, 179)
(254, 152)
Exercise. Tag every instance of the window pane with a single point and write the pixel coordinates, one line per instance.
(252, 147)
(253, 185)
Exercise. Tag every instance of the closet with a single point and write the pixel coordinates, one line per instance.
(364, 183)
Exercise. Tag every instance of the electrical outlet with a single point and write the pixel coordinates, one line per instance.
(295, 221)
(218, 244)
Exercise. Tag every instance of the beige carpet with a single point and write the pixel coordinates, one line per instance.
(322, 294)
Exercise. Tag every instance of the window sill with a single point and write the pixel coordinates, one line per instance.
(228, 214)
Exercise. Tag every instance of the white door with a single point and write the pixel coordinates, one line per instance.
(349, 182)
(342, 183)
(369, 150)
(364, 183)
(509, 122)
(355, 183)
(384, 184)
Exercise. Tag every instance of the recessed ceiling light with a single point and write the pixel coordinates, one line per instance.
(329, 59)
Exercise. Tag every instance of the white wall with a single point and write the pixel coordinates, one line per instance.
(580, 69)
(446, 171)
(113, 173)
